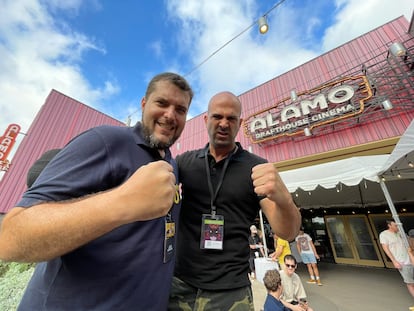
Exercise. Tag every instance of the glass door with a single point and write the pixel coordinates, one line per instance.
(340, 243)
(352, 240)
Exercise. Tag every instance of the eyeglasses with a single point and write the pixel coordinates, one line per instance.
(290, 266)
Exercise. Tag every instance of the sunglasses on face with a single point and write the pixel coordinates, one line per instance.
(290, 266)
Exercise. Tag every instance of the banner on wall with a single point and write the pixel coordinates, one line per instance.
(6, 145)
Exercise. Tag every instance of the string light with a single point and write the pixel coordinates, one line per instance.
(234, 38)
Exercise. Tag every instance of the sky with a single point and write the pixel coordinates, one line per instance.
(104, 52)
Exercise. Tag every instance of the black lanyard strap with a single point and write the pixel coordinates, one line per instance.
(213, 195)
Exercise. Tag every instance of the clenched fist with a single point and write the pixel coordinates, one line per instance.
(267, 182)
(148, 193)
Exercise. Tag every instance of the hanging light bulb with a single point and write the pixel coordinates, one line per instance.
(263, 26)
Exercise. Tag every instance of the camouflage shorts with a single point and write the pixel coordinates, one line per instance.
(184, 297)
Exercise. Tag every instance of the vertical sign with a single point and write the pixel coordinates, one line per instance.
(6, 144)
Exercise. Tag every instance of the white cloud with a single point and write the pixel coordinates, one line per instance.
(37, 55)
(357, 17)
(238, 65)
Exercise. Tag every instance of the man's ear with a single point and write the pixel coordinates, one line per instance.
(143, 103)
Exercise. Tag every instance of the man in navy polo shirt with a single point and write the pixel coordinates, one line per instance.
(101, 217)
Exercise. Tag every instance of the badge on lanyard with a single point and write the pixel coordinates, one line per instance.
(212, 232)
(169, 238)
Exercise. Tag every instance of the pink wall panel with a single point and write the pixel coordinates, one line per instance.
(60, 119)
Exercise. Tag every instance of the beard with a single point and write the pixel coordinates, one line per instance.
(153, 141)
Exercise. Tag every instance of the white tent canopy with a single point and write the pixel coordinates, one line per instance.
(356, 182)
(349, 172)
(401, 160)
(399, 167)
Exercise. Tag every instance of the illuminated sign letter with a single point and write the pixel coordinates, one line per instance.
(341, 94)
(258, 123)
(290, 112)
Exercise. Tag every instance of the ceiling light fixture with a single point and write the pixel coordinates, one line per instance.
(387, 104)
(307, 131)
(293, 95)
(397, 49)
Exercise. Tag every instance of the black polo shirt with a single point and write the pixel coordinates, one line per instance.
(236, 201)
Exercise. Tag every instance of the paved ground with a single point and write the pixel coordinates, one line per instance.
(350, 288)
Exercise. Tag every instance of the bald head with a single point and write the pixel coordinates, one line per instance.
(225, 98)
(223, 122)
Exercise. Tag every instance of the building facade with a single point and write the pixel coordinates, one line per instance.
(354, 100)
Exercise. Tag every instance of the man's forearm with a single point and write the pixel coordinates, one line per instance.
(50, 230)
(284, 220)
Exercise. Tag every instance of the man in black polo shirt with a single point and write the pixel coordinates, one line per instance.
(225, 186)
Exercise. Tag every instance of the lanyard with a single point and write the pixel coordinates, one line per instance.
(213, 195)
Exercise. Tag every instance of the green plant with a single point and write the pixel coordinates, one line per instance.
(13, 280)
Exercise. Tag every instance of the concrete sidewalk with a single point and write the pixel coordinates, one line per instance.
(349, 288)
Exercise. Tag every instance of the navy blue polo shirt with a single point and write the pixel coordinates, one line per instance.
(121, 270)
(236, 201)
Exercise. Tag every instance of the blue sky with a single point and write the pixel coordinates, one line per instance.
(104, 52)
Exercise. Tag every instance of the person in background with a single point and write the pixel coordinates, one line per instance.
(256, 249)
(224, 184)
(39, 165)
(282, 248)
(411, 245)
(100, 218)
(293, 294)
(273, 284)
(309, 255)
(393, 245)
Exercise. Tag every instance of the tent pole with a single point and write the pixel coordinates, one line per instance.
(263, 232)
(394, 212)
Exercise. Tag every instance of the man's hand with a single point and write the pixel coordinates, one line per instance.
(148, 193)
(267, 182)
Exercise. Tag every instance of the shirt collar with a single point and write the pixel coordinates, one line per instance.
(139, 140)
(201, 152)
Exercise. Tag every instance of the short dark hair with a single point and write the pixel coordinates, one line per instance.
(272, 280)
(290, 257)
(39, 165)
(174, 78)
